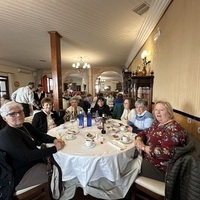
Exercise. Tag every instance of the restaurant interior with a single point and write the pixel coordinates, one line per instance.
(144, 49)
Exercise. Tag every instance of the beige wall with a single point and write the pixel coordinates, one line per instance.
(22, 78)
(175, 57)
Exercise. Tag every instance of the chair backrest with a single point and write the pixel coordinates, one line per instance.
(117, 110)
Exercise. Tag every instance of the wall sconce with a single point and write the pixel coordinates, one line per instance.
(144, 58)
(143, 71)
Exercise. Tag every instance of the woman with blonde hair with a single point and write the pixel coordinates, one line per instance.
(158, 142)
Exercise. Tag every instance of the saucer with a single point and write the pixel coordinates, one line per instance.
(89, 147)
(125, 142)
(73, 137)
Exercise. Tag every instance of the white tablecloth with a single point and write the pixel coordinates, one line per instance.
(103, 171)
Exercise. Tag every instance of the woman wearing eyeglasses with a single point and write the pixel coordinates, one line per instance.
(129, 110)
(19, 140)
(143, 118)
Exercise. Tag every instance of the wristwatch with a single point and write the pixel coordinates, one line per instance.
(143, 148)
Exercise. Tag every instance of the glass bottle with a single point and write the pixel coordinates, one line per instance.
(81, 119)
(89, 118)
(103, 131)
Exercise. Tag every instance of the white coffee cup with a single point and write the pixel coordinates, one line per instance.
(125, 138)
(88, 142)
(62, 126)
(122, 128)
(69, 136)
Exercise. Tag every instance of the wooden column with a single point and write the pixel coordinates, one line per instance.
(56, 69)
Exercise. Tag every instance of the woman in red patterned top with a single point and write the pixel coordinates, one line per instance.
(157, 142)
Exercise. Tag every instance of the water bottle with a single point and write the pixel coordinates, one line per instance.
(89, 118)
(81, 119)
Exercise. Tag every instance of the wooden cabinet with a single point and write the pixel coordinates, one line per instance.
(127, 83)
(138, 87)
(119, 87)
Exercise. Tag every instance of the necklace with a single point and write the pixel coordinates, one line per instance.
(26, 132)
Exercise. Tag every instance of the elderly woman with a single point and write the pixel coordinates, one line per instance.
(143, 118)
(46, 119)
(74, 109)
(129, 110)
(19, 140)
(159, 141)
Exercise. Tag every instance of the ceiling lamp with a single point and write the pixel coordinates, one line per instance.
(80, 65)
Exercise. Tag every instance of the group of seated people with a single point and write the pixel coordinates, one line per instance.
(157, 136)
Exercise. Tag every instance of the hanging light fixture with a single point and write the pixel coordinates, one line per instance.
(81, 65)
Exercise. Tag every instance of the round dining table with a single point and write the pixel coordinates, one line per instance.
(106, 169)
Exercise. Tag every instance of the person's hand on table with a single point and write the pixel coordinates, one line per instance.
(59, 144)
(139, 144)
(129, 128)
(52, 126)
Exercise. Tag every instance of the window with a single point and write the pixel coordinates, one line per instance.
(4, 85)
(50, 84)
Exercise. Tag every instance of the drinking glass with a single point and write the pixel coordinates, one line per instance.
(72, 118)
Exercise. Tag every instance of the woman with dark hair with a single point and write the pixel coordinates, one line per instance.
(101, 107)
(46, 119)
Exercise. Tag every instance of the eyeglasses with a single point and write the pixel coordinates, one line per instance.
(14, 114)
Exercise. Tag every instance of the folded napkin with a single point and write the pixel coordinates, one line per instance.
(117, 145)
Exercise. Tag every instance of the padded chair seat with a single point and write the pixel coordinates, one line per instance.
(155, 186)
(36, 192)
(24, 190)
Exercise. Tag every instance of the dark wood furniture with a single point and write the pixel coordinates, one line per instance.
(138, 87)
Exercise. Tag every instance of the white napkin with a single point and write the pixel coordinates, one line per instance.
(117, 145)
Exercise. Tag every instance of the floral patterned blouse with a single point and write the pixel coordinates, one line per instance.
(162, 140)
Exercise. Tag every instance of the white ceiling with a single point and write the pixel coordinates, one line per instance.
(103, 32)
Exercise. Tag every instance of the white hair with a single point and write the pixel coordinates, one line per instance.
(4, 110)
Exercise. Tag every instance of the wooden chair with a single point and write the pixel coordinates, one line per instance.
(147, 189)
(37, 192)
(41, 191)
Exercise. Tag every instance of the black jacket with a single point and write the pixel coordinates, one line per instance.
(183, 175)
(40, 120)
(21, 149)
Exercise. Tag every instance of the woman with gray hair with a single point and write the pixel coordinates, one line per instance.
(19, 140)
(143, 118)
(74, 109)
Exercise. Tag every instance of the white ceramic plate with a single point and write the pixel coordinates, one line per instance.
(116, 124)
(89, 147)
(115, 137)
(112, 129)
(89, 135)
(72, 130)
(125, 142)
(73, 138)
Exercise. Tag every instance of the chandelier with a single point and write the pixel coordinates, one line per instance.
(80, 65)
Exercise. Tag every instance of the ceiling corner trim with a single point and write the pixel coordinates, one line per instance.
(154, 14)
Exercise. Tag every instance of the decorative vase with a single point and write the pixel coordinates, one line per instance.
(144, 71)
